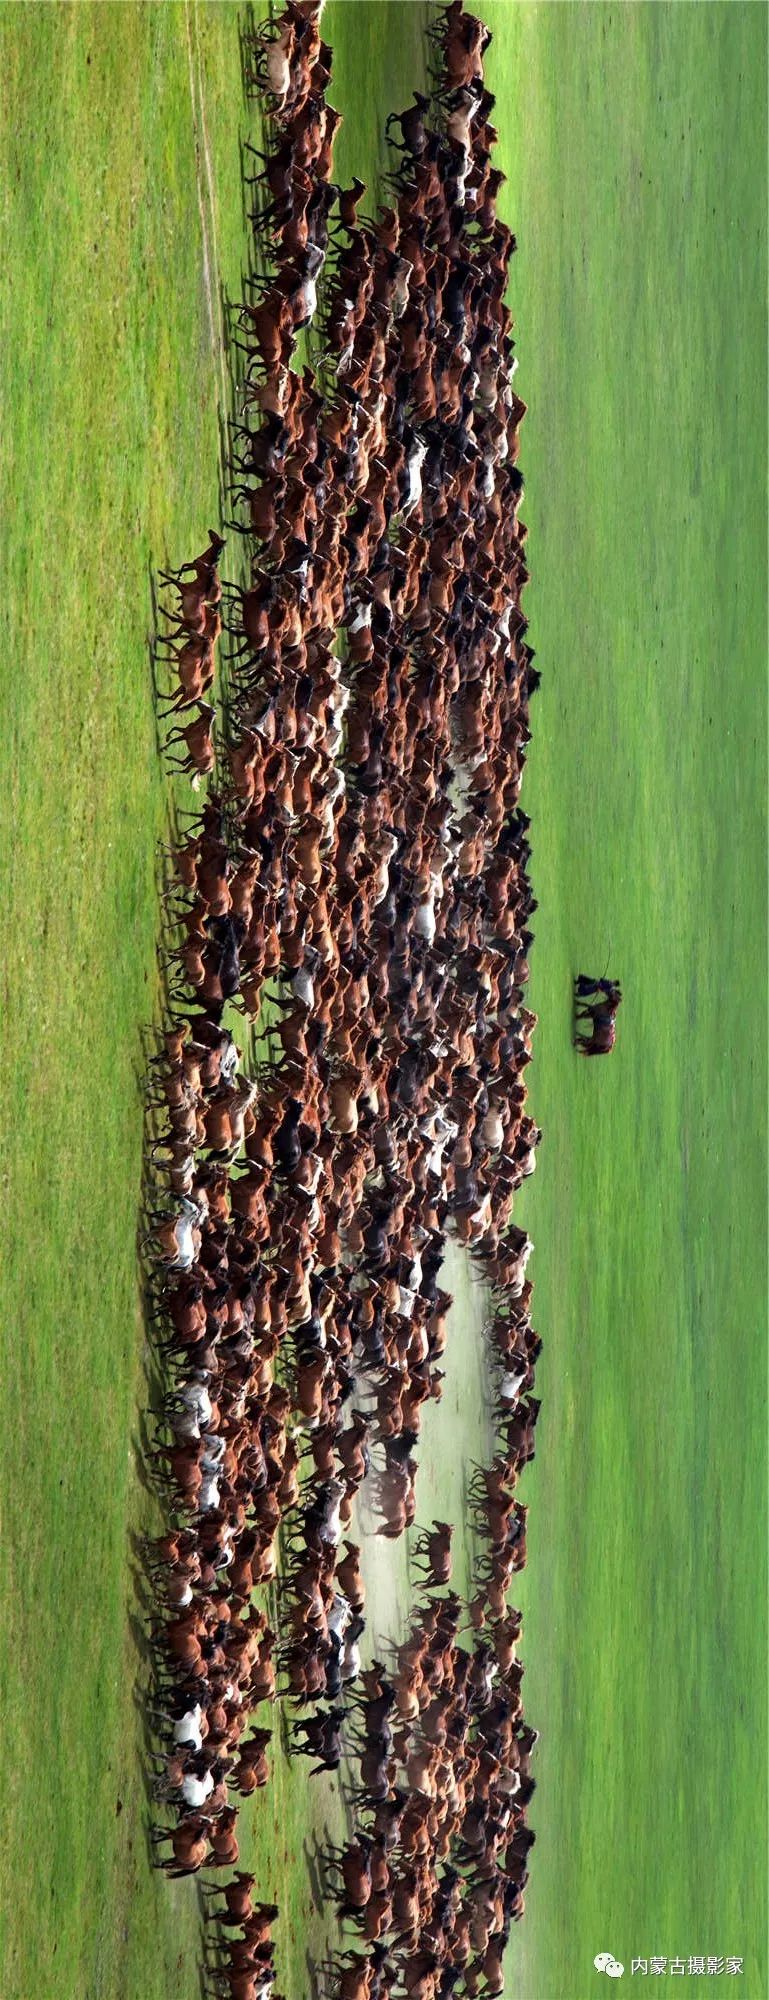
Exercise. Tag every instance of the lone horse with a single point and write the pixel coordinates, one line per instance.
(602, 1036)
(603, 1030)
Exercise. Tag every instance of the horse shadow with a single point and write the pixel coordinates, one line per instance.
(246, 193)
(578, 1028)
(148, 1048)
(469, 1505)
(313, 1858)
(247, 27)
(142, 1697)
(143, 1597)
(149, 1821)
(139, 1444)
(212, 1958)
(153, 659)
(314, 1974)
(206, 1987)
(151, 1756)
(227, 308)
(286, 1739)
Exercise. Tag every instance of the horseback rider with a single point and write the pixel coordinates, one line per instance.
(585, 988)
(601, 1016)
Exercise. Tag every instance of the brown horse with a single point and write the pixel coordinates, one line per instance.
(189, 1842)
(603, 1032)
(198, 739)
(432, 1553)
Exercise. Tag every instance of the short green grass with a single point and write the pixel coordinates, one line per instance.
(110, 466)
(634, 139)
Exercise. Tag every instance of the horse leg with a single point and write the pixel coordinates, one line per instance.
(173, 619)
(236, 527)
(169, 704)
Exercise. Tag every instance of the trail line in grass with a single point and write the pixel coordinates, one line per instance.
(206, 151)
(207, 223)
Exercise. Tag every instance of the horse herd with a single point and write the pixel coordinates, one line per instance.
(355, 886)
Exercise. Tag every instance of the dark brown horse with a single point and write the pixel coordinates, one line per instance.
(603, 1032)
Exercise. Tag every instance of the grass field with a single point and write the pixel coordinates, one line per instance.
(635, 143)
(110, 372)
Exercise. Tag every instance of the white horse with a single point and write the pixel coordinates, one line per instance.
(340, 1615)
(280, 55)
(195, 1397)
(511, 1384)
(187, 1729)
(492, 1129)
(179, 1239)
(330, 1526)
(215, 1448)
(424, 917)
(230, 1057)
(195, 1791)
(414, 464)
(208, 1496)
(349, 1661)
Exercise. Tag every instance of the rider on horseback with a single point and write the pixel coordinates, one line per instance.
(603, 1030)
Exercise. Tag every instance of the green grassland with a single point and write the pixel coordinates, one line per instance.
(110, 372)
(635, 143)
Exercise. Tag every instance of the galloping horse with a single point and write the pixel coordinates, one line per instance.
(603, 1032)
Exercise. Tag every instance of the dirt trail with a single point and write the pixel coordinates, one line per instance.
(455, 1432)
